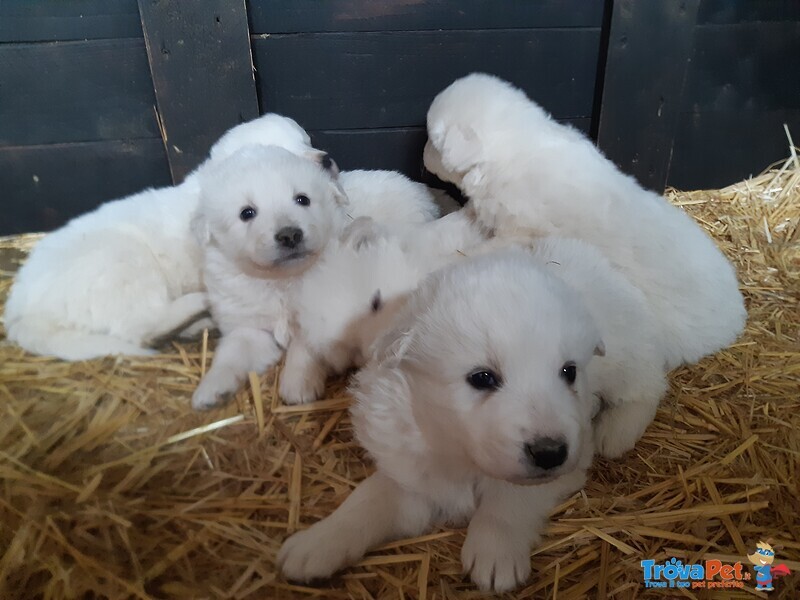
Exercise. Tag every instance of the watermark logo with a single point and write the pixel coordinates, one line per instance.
(709, 574)
(763, 560)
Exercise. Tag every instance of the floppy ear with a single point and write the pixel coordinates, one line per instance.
(339, 194)
(360, 232)
(199, 228)
(460, 148)
(472, 180)
(392, 347)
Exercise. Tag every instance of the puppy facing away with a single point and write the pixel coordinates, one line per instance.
(476, 405)
(364, 277)
(526, 174)
(115, 279)
(267, 217)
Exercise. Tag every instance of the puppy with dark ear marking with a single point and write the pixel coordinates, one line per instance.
(268, 216)
(364, 277)
(480, 403)
(629, 378)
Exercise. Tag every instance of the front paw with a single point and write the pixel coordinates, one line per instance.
(317, 553)
(300, 387)
(214, 390)
(618, 428)
(496, 556)
(361, 232)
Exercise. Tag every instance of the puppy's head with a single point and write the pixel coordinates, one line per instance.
(494, 353)
(268, 210)
(471, 119)
(272, 130)
(363, 280)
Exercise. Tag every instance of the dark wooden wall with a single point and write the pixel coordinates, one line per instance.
(692, 93)
(742, 85)
(361, 81)
(77, 110)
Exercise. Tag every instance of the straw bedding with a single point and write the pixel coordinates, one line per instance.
(112, 486)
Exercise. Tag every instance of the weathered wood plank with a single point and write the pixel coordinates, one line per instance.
(737, 98)
(715, 149)
(649, 48)
(50, 20)
(75, 91)
(721, 12)
(45, 186)
(200, 60)
(296, 16)
(744, 67)
(370, 80)
(398, 149)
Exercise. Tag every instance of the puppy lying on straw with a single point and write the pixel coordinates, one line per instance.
(364, 278)
(122, 276)
(478, 403)
(267, 216)
(527, 174)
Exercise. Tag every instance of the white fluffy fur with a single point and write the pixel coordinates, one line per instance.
(115, 279)
(364, 279)
(446, 451)
(629, 379)
(527, 174)
(248, 280)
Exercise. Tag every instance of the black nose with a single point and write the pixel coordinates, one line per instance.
(547, 453)
(326, 161)
(289, 237)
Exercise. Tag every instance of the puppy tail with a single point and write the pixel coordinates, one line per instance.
(72, 345)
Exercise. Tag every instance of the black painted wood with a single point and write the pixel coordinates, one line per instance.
(737, 98)
(200, 60)
(303, 16)
(715, 149)
(649, 48)
(745, 67)
(372, 80)
(49, 20)
(721, 12)
(75, 91)
(45, 186)
(391, 148)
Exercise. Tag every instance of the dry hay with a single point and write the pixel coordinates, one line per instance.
(113, 487)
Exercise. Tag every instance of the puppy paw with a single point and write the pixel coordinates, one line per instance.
(213, 391)
(496, 556)
(618, 428)
(610, 439)
(361, 232)
(300, 387)
(316, 553)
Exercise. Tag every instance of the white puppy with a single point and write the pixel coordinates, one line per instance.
(527, 174)
(366, 286)
(478, 404)
(364, 279)
(268, 216)
(114, 280)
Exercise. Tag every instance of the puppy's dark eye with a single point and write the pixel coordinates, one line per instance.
(484, 380)
(568, 372)
(248, 212)
(302, 200)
